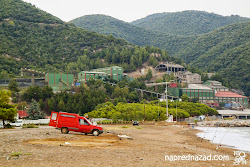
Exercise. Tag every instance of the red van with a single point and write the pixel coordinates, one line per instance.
(73, 122)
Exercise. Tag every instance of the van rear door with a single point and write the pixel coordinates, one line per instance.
(53, 118)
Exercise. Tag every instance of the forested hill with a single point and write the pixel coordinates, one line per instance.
(186, 22)
(108, 25)
(225, 50)
(34, 39)
(18, 10)
(220, 50)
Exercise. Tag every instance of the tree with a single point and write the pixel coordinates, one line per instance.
(184, 98)
(34, 110)
(22, 105)
(7, 111)
(4, 75)
(61, 105)
(13, 86)
(172, 75)
(149, 74)
(204, 77)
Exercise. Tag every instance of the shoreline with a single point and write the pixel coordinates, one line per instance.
(210, 134)
(225, 123)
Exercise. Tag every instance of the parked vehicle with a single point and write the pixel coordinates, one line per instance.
(135, 123)
(73, 122)
(18, 122)
(201, 118)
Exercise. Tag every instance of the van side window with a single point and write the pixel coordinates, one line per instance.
(83, 122)
(65, 115)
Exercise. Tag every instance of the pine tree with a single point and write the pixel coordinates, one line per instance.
(61, 105)
(13, 86)
(34, 110)
(7, 111)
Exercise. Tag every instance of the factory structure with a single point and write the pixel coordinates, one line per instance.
(181, 74)
(115, 73)
(60, 82)
(210, 92)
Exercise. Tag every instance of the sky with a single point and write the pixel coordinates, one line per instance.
(131, 10)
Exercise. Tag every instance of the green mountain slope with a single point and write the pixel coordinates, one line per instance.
(108, 25)
(215, 51)
(186, 22)
(225, 50)
(34, 39)
(18, 10)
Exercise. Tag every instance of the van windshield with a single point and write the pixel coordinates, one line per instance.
(84, 122)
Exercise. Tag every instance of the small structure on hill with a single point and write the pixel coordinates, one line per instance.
(180, 73)
(169, 67)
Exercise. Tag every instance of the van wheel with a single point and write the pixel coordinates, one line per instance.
(64, 130)
(95, 132)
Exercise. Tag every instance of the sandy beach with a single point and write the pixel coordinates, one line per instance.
(149, 146)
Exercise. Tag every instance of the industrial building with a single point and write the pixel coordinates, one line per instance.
(114, 72)
(215, 85)
(84, 76)
(180, 73)
(207, 94)
(228, 97)
(169, 67)
(189, 78)
(59, 82)
(234, 113)
(24, 82)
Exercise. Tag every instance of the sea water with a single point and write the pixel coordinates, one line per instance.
(236, 137)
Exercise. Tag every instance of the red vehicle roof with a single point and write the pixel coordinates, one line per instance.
(22, 114)
(228, 94)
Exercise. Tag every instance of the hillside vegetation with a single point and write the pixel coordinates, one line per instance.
(186, 22)
(108, 25)
(225, 50)
(216, 47)
(34, 39)
(135, 111)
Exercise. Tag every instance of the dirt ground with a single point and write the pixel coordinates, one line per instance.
(149, 146)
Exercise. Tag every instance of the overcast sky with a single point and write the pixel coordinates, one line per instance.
(130, 10)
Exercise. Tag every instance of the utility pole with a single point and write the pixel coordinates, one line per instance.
(176, 110)
(144, 112)
(166, 91)
(158, 108)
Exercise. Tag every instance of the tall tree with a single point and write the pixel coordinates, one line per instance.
(149, 75)
(34, 110)
(13, 86)
(7, 111)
